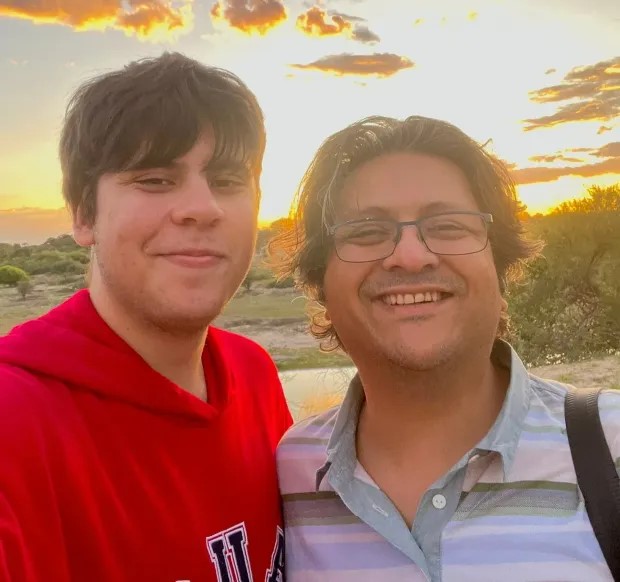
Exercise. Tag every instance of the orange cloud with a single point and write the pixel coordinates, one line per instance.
(547, 159)
(33, 225)
(603, 129)
(611, 150)
(317, 22)
(541, 174)
(377, 65)
(590, 93)
(250, 16)
(143, 18)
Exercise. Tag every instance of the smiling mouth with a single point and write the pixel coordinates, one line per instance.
(414, 298)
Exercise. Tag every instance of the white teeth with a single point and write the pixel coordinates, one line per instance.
(410, 298)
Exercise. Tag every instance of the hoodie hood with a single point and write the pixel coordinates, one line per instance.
(73, 345)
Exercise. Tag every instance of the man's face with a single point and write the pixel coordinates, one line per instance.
(172, 245)
(465, 302)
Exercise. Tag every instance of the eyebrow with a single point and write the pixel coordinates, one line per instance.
(383, 212)
(217, 165)
(228, 165)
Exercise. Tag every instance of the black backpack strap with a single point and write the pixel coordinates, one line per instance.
(597, 475)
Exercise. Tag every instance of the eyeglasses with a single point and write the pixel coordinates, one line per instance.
(448, 233)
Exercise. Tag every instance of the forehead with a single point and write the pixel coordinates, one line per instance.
(406, 182)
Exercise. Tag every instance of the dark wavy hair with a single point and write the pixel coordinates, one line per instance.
(301, 250)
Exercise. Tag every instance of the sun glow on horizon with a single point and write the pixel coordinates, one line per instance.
(466, 64)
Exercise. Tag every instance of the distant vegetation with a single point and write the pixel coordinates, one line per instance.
(566, 307)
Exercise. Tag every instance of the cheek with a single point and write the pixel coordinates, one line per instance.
(130, 222)
(486, 281)
(241, 219)
(341, 283)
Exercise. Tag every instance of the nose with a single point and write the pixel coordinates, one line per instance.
(411, 254)
(197, 203)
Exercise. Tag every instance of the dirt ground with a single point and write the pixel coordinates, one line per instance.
(599, 373)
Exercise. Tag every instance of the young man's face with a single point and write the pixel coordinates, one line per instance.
(359, 296)
(173, 244)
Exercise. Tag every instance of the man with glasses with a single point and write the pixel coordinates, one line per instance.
(446, 460)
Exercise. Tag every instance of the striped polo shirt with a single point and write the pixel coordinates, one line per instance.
(508, 511)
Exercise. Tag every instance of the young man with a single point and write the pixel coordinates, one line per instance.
(447, 461)
(138, 442)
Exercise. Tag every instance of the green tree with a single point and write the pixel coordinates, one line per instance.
(598, 199)
(568, 306)
(10, 275)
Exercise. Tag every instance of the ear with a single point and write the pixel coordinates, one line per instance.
(83, 230)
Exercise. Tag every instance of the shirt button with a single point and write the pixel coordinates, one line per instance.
(439, 501)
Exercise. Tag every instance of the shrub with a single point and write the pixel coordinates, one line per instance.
(10, 275)
(24, 287)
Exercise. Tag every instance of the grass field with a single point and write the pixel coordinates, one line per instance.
(273, 317)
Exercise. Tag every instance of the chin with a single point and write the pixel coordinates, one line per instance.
(183, 315)
(421, 358)
(179, 323)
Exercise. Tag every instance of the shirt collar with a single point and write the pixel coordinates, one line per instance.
(502, 438)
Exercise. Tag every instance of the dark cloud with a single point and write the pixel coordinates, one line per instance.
(610, 150)
(317, 22)
(590, 93)
(33, 225)
(140, 17)
(542, 174)
(363, 34)
(250, 16)
(378, 64)
(348, 17)
(550, 71)
(603, 129)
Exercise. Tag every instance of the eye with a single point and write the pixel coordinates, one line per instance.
(227, 182)
(449, 226)
(446, 228)
(155, 182)
(365, 234)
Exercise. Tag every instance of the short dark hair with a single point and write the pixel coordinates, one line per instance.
(302, 250)
(149, 113)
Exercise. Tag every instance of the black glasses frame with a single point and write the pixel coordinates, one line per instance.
(486, 217)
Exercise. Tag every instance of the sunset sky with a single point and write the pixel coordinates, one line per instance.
(540, 78)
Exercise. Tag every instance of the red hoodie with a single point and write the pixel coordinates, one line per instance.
(110, 472)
